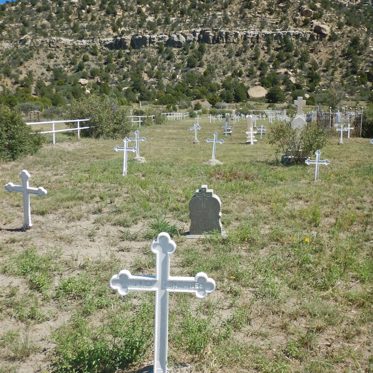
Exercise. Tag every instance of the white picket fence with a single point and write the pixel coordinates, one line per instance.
(175, 115)
(53, 123)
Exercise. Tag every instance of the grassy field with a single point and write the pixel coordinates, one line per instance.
(294, 275)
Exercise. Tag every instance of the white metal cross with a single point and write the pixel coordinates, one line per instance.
(341, 129)
(227, 128)
(137, 141)
(125, 149)
(300, 103)
(317, 162)
(348, 129)
(162, 283)
(251, 136)
(26, 190)
(196, 127)
(214, 141)
(261, 130)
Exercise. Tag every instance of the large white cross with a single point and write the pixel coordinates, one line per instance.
(125, 149)
(26, 190)
(137, 141)
(317, 162)
(162, 283)
(196, 127)
(214, 141)
(251, 136)
(300, 103)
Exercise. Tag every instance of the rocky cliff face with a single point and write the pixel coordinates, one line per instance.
(174, 40)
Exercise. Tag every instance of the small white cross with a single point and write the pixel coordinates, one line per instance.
(317, 162)
(137, 141)
(261, 130)
(299, 102)
(26, 190)
(227, 128)
(342, 129)
(196, 127)
(251, 136)
(162, 283)
(214, 141)
(125, 149)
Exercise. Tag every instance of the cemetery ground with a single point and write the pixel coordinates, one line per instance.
(293, 276)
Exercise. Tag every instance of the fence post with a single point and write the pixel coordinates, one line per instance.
(54, 133)
(78, 129)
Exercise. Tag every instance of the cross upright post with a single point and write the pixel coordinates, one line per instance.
(300, 103)
(317, 162)
(137, 141)
(162, 283)
(196, 127)
(26, 190)
(341, 129)
(125, 149)
(214, 141)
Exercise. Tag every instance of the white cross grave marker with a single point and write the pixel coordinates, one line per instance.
(317, 162)
(341, 129)
(261, 130)
(196, 127)
(26, 190)
(300, 103)
(227, 129)
(137, 141)
(162, 283)
(213, 161)
(348, 129)
(251, 136)
(125, 149)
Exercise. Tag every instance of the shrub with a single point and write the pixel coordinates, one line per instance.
(82, 348)
(296, 144)
(16, 138)
(107, 118)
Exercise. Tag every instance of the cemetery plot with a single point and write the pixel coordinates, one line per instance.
(292, 276)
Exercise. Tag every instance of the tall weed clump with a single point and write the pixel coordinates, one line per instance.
(296, 144)
(107, 118)
(16, 138)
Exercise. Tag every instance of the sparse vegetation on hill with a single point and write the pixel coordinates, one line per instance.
(173, 52)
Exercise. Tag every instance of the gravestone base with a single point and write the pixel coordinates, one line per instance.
(140, 159)
(223, 234)
(214, 162)
(180, 368)
(251, 143)
(196, 142)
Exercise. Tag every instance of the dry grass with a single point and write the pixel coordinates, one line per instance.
(293, 277)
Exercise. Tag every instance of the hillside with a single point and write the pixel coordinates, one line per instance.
(172, 52)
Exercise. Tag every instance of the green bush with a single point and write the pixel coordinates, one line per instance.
(107, 118)
(16, 138)
(296, 144)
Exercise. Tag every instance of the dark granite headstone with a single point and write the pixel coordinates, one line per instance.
(205, 212)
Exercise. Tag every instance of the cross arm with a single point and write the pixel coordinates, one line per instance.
(39, 191)
(121, 149)
(10, 187)
(201, 285)
(124, 282)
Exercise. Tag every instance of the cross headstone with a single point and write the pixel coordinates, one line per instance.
(137, 141)
(227, 128)
(204, 212)
(27, 191)
(317, 162)
(213, 161)
(299, 103)
(196, 127)
(125, 149)
(251, 136)
(262, 130)
(162, 283)
(371, 141)
(342, 128)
